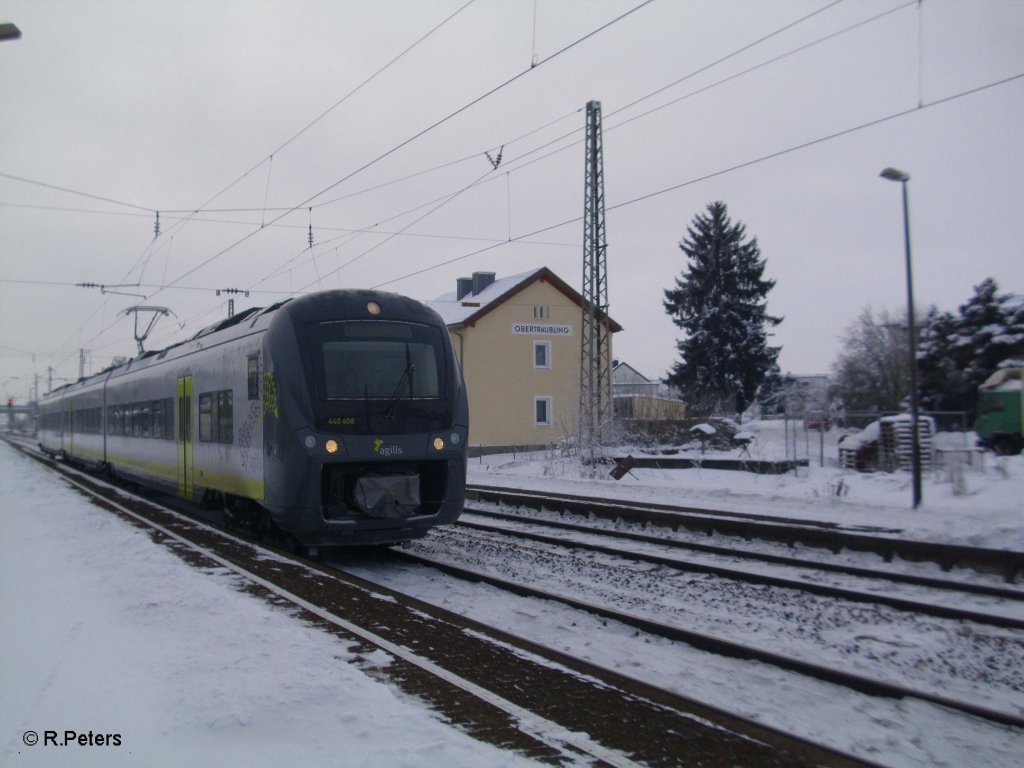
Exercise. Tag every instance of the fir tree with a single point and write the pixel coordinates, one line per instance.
(1013, 336)
(940, 381)
(980, 343)
(719, 300)
(955, 354)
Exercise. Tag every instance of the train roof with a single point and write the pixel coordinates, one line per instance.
(255, 319)
(235, 323)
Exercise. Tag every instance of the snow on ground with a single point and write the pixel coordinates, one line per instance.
(105, 632)
(980, 505)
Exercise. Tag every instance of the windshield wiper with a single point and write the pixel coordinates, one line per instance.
(410, 369)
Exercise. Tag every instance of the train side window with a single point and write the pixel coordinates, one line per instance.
(215, 417)
(253, 376)
(147, 419)
(137, 420)
(207, 418)
(169, 418)
(157, 408)
(224, 417)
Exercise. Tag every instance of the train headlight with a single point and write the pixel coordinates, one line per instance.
(373, 307)
(309, 441)
(331, 446)
(438, 443)
(455, 438)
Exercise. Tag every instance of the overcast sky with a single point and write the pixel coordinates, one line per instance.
(178, 107)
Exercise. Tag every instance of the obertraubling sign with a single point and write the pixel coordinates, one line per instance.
(540, 329)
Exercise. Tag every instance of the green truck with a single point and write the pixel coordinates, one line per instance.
(1000, 422)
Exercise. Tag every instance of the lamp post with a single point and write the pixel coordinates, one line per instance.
(893, 174)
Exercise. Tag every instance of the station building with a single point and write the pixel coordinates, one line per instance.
(518, 341)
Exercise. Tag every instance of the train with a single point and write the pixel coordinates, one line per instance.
(336, 418)
(1000, 421)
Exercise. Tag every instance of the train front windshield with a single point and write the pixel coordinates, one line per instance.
(368, 370)
(371, 360)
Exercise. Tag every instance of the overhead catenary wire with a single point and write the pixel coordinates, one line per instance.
(775, 59)
(270, 158)
(391, 151)
(509, 170)
(704, 68)
(182, 222)
(738, 166)
(78, 193)
(675, 187)
(764, 38)
(193, 212)
(676, 82)
(143, 259)
(416, 136)
(691, 94)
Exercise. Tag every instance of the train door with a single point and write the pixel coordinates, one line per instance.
(184, 438)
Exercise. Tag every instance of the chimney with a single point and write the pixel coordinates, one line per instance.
(481, 280)
(463, 286)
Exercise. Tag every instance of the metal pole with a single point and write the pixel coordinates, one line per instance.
(893, 174)
(915, 438)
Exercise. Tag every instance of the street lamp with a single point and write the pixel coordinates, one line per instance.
(915, 439)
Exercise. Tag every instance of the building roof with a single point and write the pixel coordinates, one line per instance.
(619, 365)
(459, 313)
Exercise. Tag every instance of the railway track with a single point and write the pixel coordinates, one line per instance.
(809, 577)
(717, 644)
(791, 532)
(549, 705)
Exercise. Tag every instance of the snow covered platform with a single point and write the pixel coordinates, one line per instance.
(757, 466)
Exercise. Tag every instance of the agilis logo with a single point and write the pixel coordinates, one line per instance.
(391, 450)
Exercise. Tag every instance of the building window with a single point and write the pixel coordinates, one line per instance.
(542, 355)
(542, 411)
(542, 313)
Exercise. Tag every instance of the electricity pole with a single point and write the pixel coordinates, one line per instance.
(595, 334)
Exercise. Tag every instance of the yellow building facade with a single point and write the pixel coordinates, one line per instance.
(518, 341)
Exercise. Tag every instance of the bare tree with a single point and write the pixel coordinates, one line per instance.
(871, 371)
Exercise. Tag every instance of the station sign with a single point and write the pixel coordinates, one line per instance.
(540, 329)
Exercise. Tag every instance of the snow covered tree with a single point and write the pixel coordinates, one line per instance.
(988, 334)
(977, 343)
(774, 391)
(955, 353)
(1013, 335)
(940, 381)
(990, 330)
(720, 301)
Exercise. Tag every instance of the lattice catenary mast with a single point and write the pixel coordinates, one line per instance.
(595, 414)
